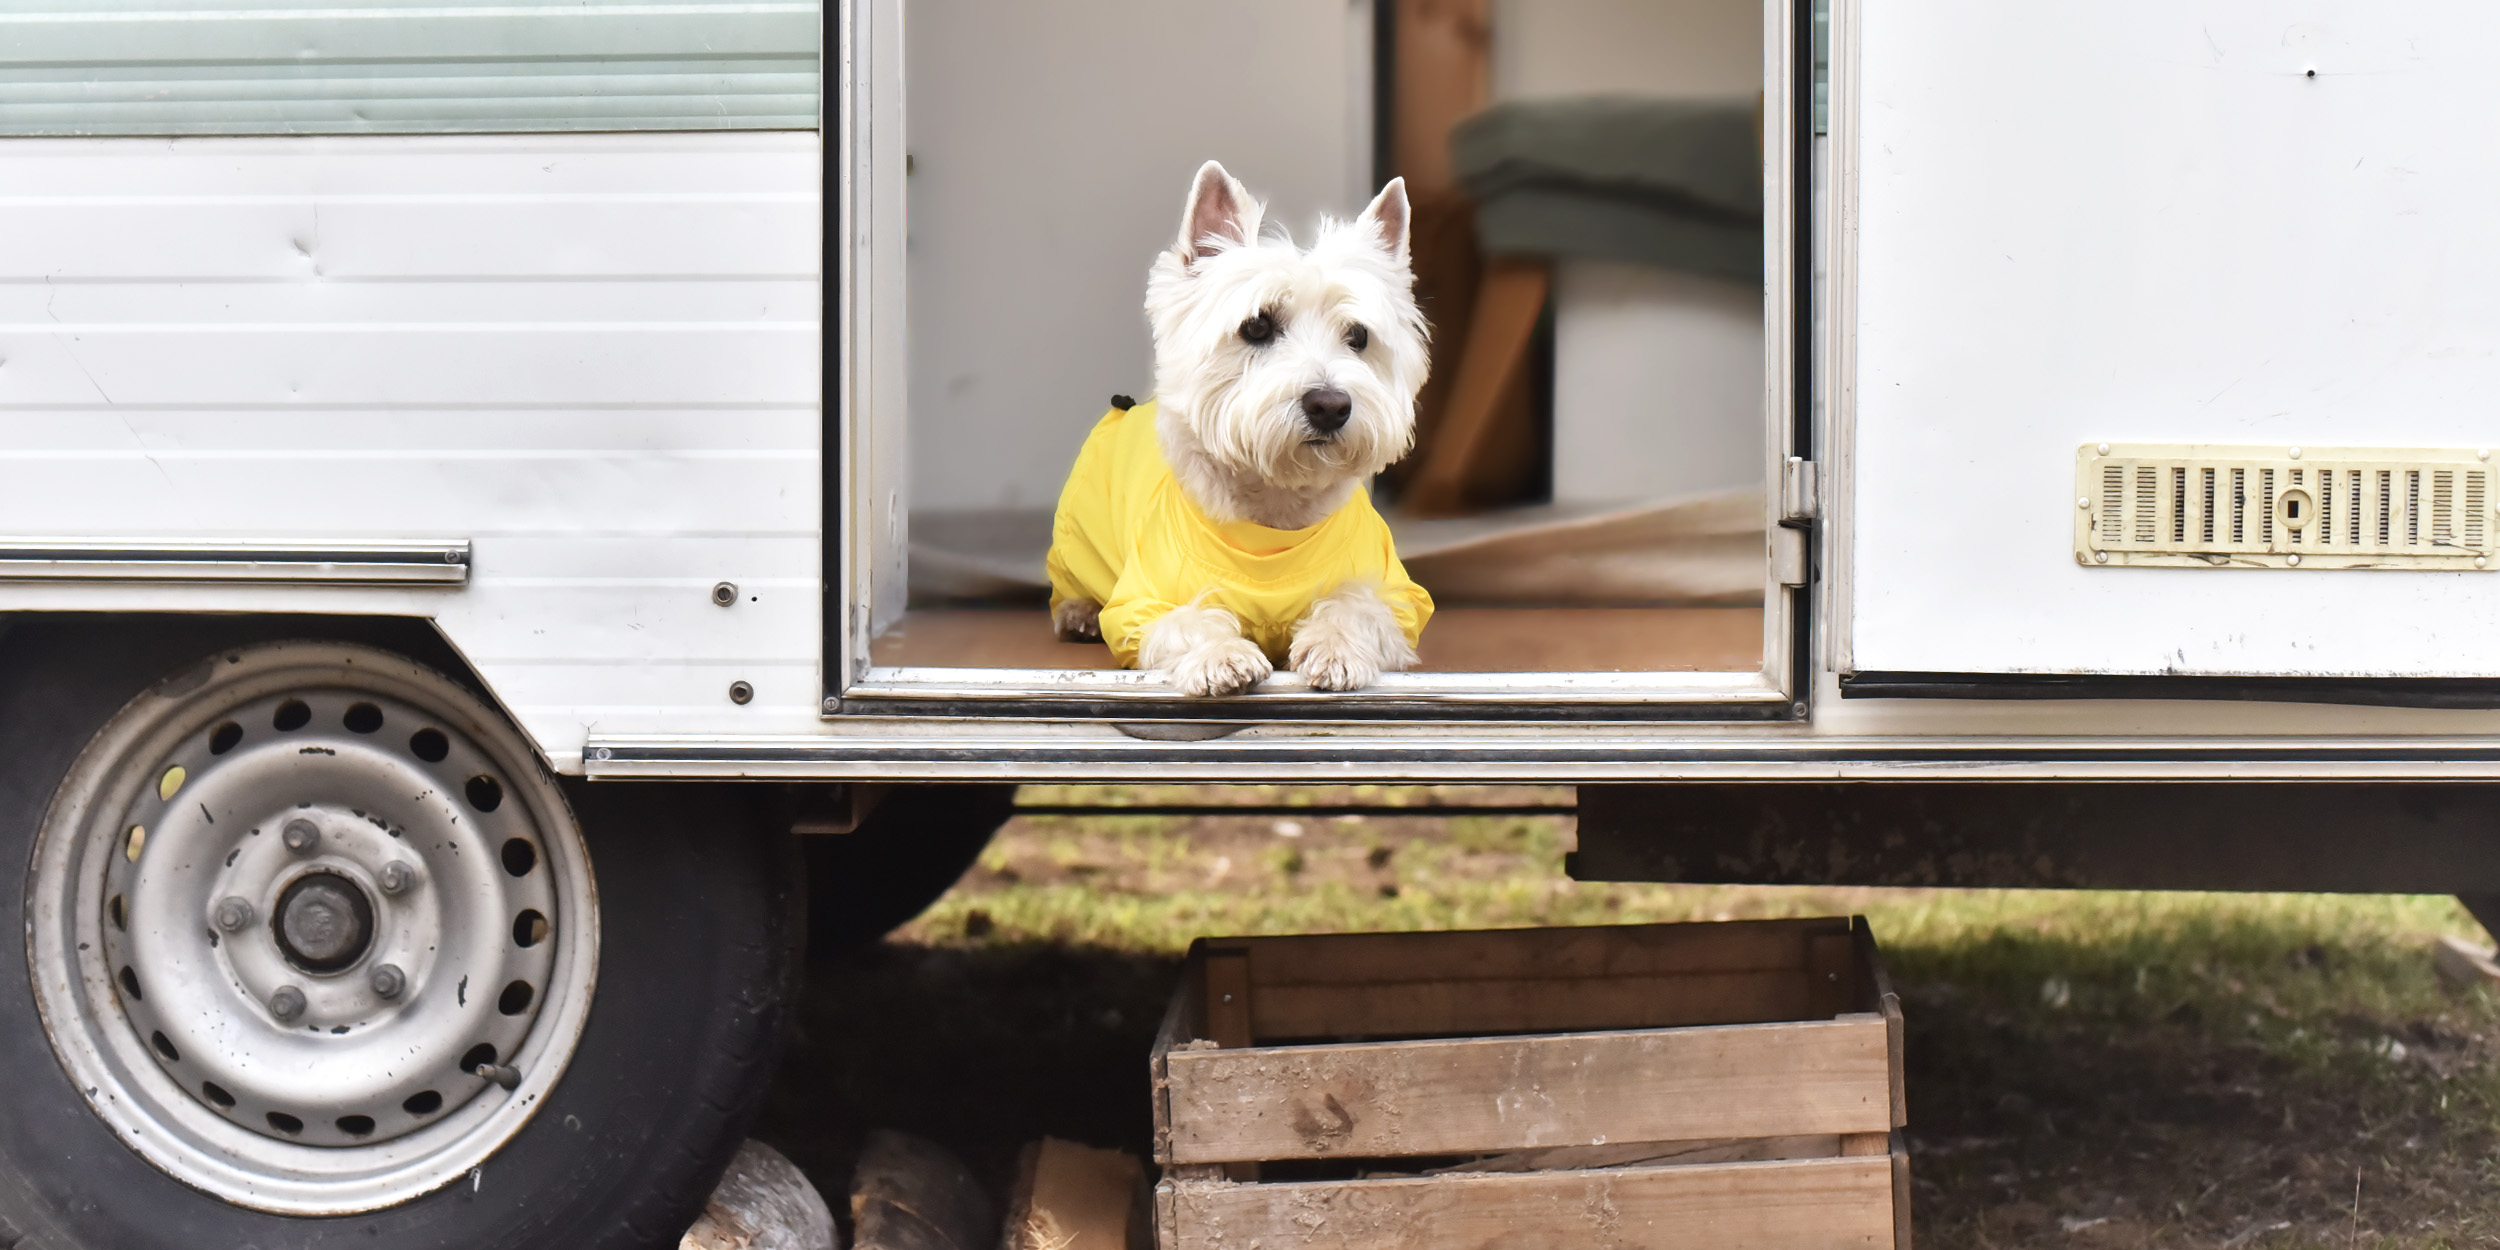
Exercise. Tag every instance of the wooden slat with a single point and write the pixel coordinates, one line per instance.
(1876, 993)
(1489, 1095)
(1900, 1190)
(1538, 1005)
(1509, 299)
(1819, 1204)
(1493, 954)
(1225, 977)
(1627, 1154)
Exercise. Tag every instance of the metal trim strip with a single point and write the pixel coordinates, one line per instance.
(443, 562)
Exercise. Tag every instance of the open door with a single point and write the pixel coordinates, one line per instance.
(1605, 240)
(2163, 343)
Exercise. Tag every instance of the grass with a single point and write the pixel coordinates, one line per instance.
(2086, 1069)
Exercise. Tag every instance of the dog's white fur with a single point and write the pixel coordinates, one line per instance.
(1231, 420)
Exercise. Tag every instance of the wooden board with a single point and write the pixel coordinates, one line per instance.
(1646, 950)
(1487, 1095)
(1818, 1204)
(1282, 1013)
(1459, 640)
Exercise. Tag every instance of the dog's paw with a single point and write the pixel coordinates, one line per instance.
(1332, 664)
(1229, 666)
(1077, 620)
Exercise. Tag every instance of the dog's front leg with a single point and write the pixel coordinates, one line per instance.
(1202, 648)
(1349, 639)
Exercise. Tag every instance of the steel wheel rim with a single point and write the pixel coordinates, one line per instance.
(423, 920)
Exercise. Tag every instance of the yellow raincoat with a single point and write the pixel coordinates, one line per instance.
(1128, 538)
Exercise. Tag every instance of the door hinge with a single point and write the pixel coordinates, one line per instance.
(1788, 555)
(1801, 490)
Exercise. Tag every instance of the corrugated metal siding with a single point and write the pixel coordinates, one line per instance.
(261, 67)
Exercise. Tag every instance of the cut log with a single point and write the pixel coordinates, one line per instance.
(911, 1194)
(1072, 1197)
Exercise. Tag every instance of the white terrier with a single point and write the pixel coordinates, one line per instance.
(1224, 526)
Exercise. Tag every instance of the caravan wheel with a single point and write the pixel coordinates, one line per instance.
(312, 939)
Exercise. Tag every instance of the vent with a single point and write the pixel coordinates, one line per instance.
(2196, 506)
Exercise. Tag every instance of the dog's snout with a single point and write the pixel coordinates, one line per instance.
(1327, 409)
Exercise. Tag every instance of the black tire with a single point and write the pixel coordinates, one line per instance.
(866, 883)
(700, 924)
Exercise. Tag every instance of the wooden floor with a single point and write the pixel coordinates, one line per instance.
(1459, 640)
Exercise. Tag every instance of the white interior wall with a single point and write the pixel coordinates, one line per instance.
(1052, 145)
(1657, 374)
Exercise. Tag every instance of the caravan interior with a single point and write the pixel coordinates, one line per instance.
(1587, 491)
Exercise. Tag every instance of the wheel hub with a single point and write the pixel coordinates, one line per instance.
(324, 922)
(316, 912)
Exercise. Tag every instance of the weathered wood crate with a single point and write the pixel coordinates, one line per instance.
(1735, 1086)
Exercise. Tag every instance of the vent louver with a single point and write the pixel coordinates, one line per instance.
(2201, 506)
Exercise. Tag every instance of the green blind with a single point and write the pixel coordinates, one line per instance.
(261, 67)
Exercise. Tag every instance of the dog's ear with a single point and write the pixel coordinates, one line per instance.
(1386, 220)
(1219, 209)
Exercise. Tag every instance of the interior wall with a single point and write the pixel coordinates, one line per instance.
(1052, 146)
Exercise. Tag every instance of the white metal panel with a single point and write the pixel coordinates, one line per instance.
(2224, 221)
(595, 357)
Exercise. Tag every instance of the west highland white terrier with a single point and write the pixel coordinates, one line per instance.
(1224, 526)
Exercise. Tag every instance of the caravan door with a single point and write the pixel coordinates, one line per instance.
(2165, 343)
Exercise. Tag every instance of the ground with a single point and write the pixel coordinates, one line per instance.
(2085, 1069)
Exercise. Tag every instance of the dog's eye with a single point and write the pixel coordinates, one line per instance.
(1358, 338)
(1259, 331)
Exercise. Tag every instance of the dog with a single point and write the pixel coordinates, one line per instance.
(1224, 527)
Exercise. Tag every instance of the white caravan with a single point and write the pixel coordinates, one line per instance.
(475, 478)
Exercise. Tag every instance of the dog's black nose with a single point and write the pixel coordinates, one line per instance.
(1327, 409)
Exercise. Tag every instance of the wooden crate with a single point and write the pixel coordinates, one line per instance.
(1735, 1086)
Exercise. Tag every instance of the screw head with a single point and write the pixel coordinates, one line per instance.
(740, 692)
(396, 877)
(388, 981)
(287, 1003)
(2100, 557)
(234, 915)
(725, 594)
(301, 835)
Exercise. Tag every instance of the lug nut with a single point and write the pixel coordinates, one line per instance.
(396, 877)
(234, 915)
(501, 1074)
(388, 981)
(287, 1003)
(301, 835)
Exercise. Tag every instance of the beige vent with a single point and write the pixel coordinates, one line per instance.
(2198, 506)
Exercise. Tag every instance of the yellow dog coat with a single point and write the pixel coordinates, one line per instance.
(1127, 537)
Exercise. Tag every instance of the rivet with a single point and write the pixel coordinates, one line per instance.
(2478, 562)
(2484, 454)
(2296, 453)
(740, 692)
(2293, 558)
(234, 915)
(287, 1003)
(2100, 557)
(300, 836)
(602, 754)
(2085, 502)
(396, 877)
(2104, 449)
(388, 981)
(725, 594)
